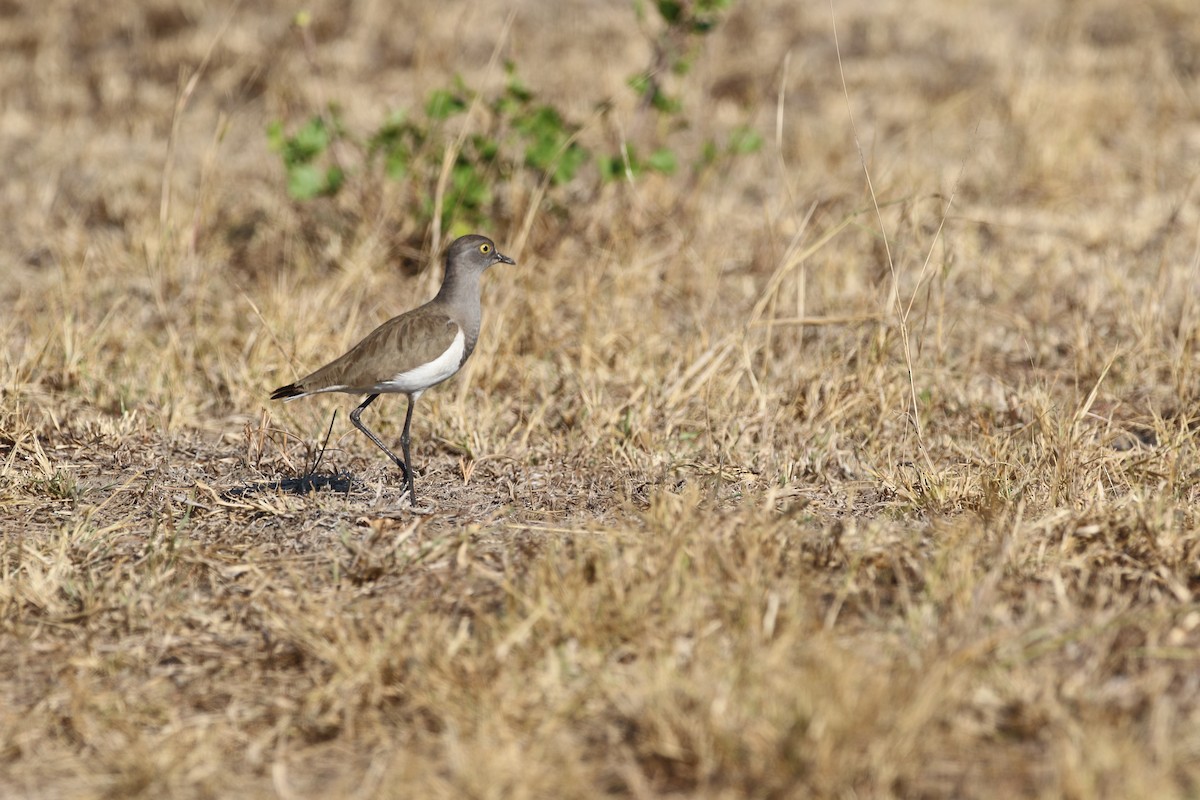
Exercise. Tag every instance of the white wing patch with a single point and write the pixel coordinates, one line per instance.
(421, 378)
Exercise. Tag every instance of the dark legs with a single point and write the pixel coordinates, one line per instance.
(404, 441)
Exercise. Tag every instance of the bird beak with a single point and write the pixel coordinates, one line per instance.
(500, 258)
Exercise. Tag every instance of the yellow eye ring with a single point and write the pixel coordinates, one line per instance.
(485, 248)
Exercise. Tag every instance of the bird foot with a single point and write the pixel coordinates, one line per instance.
(423, 510)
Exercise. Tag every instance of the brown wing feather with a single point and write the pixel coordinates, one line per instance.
(398, 345)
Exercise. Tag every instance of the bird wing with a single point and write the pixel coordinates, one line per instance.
(399, 345)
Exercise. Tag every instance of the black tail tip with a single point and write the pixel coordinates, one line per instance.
(284, 392)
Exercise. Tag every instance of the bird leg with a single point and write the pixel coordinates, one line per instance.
(403, 465)
(404, 441)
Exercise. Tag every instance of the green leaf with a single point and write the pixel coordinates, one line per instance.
(305, 181)
(308, 143)
(334, 178)
(662, 160)
(670, 10)
(610, 167)
(572, 159)
(540, 154)
(392, 129)
(397, 163)
(468, 186)
(516, 89)
(665, 103)
(543, 123)
(443, 104)
(396, 139)
(640, 83)
(546, 150)
(486, 149)
(744, 140)
(614, 167)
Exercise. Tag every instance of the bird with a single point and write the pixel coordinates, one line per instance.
(414, 351)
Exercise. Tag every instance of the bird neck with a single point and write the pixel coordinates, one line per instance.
(460, 294)
(460, 289)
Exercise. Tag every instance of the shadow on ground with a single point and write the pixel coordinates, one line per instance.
(305, 484)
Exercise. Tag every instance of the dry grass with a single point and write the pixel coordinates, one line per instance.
(686, 543)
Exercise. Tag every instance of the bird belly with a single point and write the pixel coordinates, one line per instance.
(429, 374)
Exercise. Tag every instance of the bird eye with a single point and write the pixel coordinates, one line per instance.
(485, 248)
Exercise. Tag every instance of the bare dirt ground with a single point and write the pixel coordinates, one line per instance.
(749, 490)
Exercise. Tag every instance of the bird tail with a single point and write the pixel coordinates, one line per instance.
(284, 392)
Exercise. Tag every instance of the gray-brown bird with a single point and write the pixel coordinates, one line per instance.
(414, 351)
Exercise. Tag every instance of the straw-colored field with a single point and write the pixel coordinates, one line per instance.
(763, 481)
